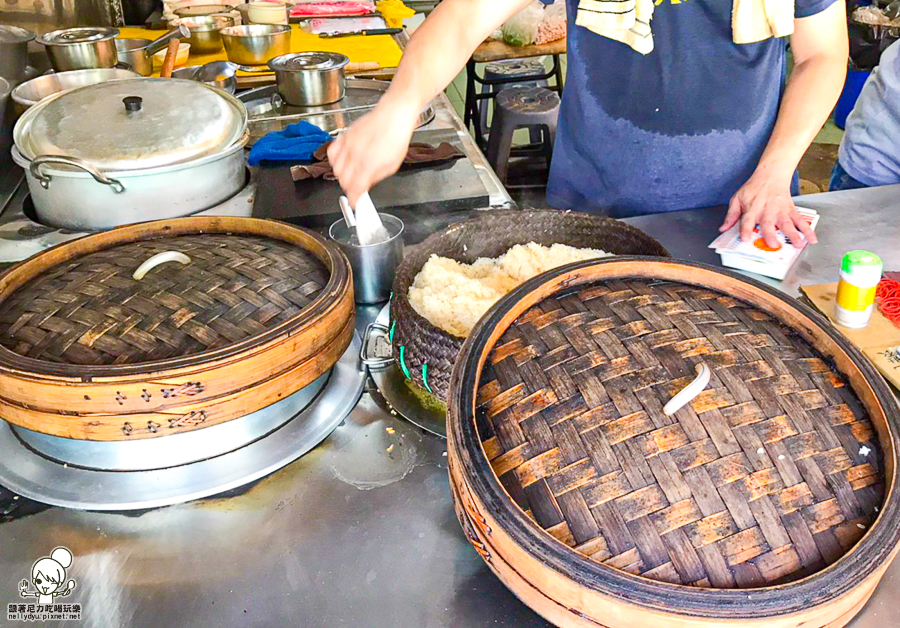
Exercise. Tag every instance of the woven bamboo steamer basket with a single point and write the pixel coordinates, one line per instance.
(210, 384)
(422, 344)
(765, 549)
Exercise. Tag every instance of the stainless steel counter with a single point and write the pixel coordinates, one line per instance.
(445, 117)
(360, 531)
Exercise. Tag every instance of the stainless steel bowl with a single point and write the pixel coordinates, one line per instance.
(205, 37)
(32, 92)
(203, 9)
(227, 84)
(81, 48)
(310, 79)
(255, 44)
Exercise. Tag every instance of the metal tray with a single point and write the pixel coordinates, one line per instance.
(260, 443)
(268, 112)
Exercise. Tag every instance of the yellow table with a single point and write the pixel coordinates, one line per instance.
(381, 49)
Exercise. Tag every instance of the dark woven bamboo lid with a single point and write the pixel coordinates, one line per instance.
(91, 311)
(231, 315)
(771, 474)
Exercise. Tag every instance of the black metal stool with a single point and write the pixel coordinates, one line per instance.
(515, 107)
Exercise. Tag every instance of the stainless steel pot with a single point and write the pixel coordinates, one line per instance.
(70, 194)
(205, 37)
(310, 79)
(138, 53)
(132, 150)
(81, 48)
(255, 44)
(133, 53)
(14, 53)
(32, 92)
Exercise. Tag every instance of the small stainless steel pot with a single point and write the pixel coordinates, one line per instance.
(81, 48)
(138, 53)
(255, 44)
(133, 53)
(32, 92)
(205, 37)
(310, 79)
(14, 53)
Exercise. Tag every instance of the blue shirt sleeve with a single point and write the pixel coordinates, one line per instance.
(806, 8)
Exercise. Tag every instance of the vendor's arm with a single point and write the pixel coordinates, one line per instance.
(820, 49)
(374, 147)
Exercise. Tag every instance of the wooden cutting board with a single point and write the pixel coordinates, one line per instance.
(878, 341)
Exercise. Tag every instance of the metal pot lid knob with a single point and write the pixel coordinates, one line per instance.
(133, 103)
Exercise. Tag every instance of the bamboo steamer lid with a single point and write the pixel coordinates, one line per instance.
(769, 500)
(255, 311)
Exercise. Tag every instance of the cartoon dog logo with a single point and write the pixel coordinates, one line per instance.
(48, 575)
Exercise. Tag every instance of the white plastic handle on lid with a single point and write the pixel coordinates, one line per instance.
(689, 392)
(156, 260)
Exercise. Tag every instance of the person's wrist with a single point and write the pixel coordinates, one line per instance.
(774, 170)
(399, 107)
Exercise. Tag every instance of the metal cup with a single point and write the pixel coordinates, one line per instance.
(375, 265)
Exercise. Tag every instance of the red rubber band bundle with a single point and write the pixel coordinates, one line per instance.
(887, 296)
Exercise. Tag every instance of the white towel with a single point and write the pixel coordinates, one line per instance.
(628, 21)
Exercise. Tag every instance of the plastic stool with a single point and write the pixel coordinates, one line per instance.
(514, 107)
(510, 73)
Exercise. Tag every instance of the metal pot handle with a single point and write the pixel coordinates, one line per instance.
(44, 178)
(367, 352)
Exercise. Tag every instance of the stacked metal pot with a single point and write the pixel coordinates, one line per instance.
(131, 150)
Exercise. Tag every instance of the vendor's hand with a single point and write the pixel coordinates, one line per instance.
(766, 201)
(372, 149)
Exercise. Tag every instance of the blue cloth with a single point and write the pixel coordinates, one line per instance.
(841, 180)
(681, 127)
(870, 148)
(296, 142)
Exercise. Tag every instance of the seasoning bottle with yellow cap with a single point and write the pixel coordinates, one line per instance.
(860, 274)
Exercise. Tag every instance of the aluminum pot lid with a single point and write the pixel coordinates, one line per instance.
(134, 124)
(309, 61)
(80, 35)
